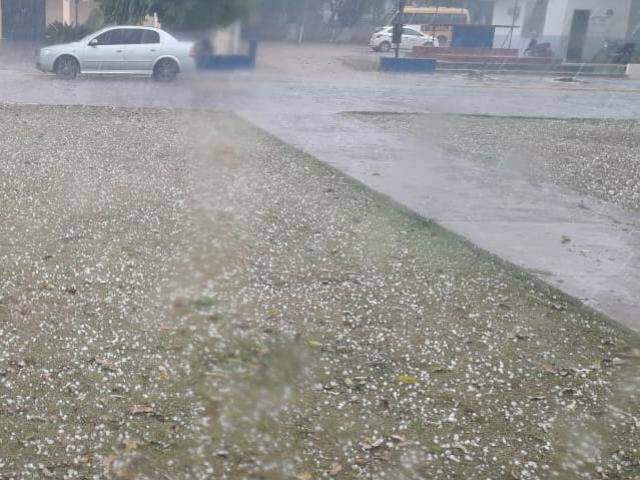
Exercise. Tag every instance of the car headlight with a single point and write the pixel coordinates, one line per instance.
(44, 52)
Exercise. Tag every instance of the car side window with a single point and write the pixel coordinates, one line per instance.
(408, 31)
(111, 37)
(131, 36)
(150, 36)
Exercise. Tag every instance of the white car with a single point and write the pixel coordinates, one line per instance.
(125, 50)
(381, 40)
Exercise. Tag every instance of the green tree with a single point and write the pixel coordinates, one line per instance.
(201, 14)
(186, 14)
(122, 12)
(290, 11)
(346, 13)
(379, 10)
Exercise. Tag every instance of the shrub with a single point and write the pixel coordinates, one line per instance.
(58, 32)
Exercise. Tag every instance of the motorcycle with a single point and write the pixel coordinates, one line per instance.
(615, 52)
(539, 50)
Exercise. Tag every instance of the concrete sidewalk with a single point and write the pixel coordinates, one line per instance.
(497, 210)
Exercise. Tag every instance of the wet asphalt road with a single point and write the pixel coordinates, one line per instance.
(298, 94)
(314, 80)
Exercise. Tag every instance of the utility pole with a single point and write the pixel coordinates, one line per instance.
(76, 27)
(303, 21)
(398, 25)
(515, 16)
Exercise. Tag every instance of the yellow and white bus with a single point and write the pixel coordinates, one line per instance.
(435, 21)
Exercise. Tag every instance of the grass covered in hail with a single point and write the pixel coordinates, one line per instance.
(183, 296)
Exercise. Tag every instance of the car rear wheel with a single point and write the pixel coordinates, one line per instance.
(67, 67)
(384, 47)
(165, 70)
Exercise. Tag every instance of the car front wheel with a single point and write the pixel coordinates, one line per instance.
(66, 67)
(165, 70)
(384, 47)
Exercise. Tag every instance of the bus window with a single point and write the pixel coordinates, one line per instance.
(430, 18)
(424, 18)
(451, 19)
(459, 19)
(409, 19)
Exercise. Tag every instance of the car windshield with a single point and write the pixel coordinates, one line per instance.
(91, 35)
(274, 245)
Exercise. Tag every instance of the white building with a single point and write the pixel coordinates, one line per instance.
(576, 29)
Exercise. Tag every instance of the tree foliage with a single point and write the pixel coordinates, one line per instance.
(122, 12)
(341, 13)
(181, 14)
(346, 13)
(290, 10)
(201, 14)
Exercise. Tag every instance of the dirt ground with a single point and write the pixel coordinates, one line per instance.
(183, 296)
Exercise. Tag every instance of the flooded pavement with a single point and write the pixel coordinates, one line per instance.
(301, 94)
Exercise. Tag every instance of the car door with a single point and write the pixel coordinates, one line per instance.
(411, 38)
(91, 55)
(142, 49)
(104, 53)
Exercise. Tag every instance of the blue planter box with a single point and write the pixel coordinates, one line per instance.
(409, 65)
(229, 62)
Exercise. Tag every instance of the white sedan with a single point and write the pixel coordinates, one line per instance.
(125, 50)
(381, 40)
